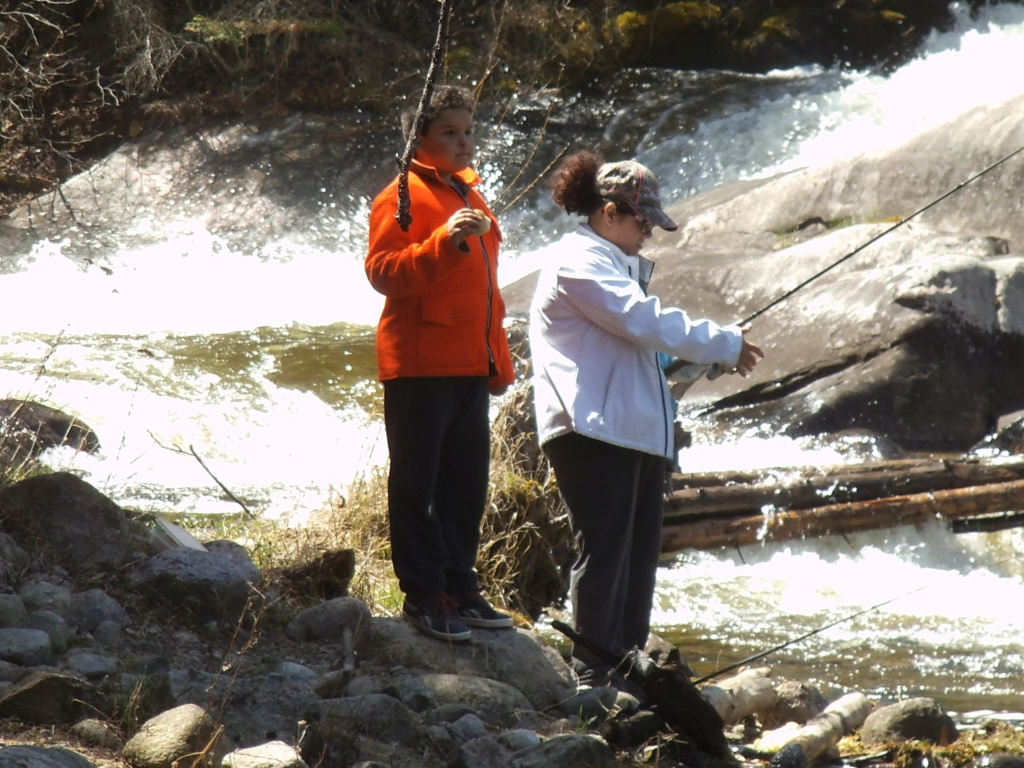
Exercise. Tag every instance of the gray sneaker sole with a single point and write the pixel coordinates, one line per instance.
(502, 623)
(453, 637)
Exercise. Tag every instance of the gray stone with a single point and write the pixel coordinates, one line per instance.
(440, 735)
(27, 647)
(274, 754)
(259, 708)
(591, 703)
(211, 586)
(483, 752)
(468, 727)
(12, 555)
(47, 698)
(91, 608)
(513, 656)
(9, 671)
(377, 717)
(566, 751)
(171, 735)
(44, 596)
(331, 620)
(12, 611)
(342, 619)
(42, 757)
(920, 719)
(518, 739)
(91, 666)
(98, 732)
(108, 633)
(54, 626)
(796, 702)
(295, 670)
(67, 519)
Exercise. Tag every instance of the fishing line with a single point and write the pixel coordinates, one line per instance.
(837, 622)
(713, 371)
(804, 636)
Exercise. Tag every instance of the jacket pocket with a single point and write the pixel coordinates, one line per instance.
(451, 333)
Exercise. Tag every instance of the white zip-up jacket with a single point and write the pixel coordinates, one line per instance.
(594, 340)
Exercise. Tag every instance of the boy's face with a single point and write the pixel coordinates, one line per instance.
(448, 143)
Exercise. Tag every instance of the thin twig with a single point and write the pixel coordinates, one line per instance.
(202, 463)
(223, 487)
(534, 183)
(404, 215)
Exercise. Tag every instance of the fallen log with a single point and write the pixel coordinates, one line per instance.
(836, 485)
(750, 692)
(803, 745)
(853, 517)
(747, 476)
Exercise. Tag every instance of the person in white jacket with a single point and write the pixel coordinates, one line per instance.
(604, 411)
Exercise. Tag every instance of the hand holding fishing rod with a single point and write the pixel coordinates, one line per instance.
(750, 353)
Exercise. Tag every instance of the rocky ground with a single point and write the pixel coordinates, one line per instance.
(118, 650)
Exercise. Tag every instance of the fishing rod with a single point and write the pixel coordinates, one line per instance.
(837, 622)
(715, 370)
(804, 636)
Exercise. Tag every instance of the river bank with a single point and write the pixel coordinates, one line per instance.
(124, 652)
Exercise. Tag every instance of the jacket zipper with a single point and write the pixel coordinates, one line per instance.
(492, 368)
(645, 269)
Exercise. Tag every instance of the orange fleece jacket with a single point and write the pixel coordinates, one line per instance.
(443, 314)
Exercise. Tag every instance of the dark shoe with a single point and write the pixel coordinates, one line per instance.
(435, 615)
(475, 611)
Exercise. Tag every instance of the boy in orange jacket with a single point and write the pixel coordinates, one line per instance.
(441, 351)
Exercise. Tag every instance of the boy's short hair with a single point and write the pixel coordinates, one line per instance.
(443, 97)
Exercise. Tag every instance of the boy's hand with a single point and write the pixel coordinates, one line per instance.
(467, 222)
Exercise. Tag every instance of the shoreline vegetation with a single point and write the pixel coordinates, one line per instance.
(81, 77)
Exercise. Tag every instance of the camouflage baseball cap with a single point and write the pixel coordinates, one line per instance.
(635, 186)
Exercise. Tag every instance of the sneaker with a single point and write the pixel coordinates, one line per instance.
(435, 615)
(475, 611)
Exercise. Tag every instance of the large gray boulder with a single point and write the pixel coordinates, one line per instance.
(518, 658)
(62, 516)
(185, 731)
(41, 757)
(211, 585)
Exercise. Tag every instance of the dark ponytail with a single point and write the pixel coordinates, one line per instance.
(574, 186)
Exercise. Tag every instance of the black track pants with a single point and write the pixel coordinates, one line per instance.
(439, 442)
(615, 498)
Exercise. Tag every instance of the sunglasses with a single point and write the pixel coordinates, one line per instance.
(647, 227)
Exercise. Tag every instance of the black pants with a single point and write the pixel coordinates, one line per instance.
(439, 440)
(616, 499)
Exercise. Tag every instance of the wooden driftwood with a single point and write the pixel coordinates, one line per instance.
(969, 495)
(750, 692)
(735, 493)
(914, 509)
(801, 746)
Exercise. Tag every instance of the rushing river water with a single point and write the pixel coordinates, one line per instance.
(262, 362)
